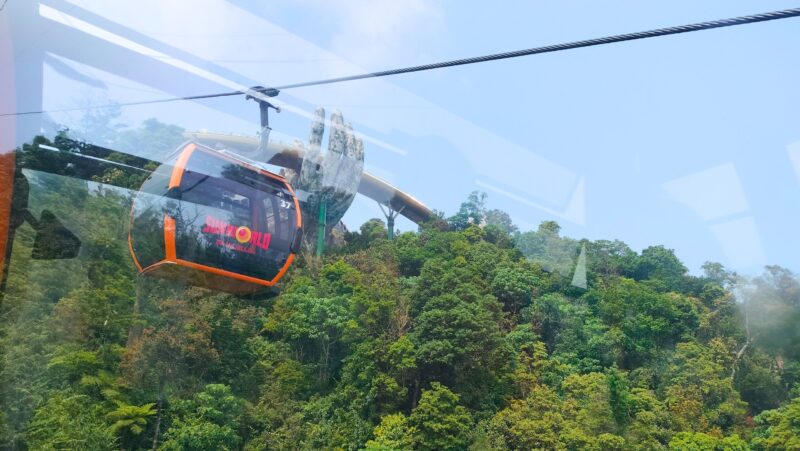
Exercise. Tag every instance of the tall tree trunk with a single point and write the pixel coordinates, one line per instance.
(748, 340)
(322, 373)
(739, 355)
(135, 331)
(415, 393)
(159, 408)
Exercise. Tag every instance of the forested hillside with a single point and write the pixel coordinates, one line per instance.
(468, 334)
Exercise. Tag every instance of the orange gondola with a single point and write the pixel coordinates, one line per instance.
(210, 218)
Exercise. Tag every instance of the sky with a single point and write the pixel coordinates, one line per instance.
(690, 141)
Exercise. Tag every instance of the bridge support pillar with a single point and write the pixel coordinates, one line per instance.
(390, 214)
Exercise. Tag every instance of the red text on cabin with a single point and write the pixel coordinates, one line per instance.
(242, 234)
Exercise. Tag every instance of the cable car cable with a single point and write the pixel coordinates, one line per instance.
(742, 20)
(565, 46)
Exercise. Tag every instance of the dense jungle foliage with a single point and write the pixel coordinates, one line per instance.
(468, 334)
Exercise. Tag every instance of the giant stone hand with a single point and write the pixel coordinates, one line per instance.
(327, 183)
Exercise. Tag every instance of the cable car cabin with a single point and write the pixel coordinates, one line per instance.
(210, 219)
